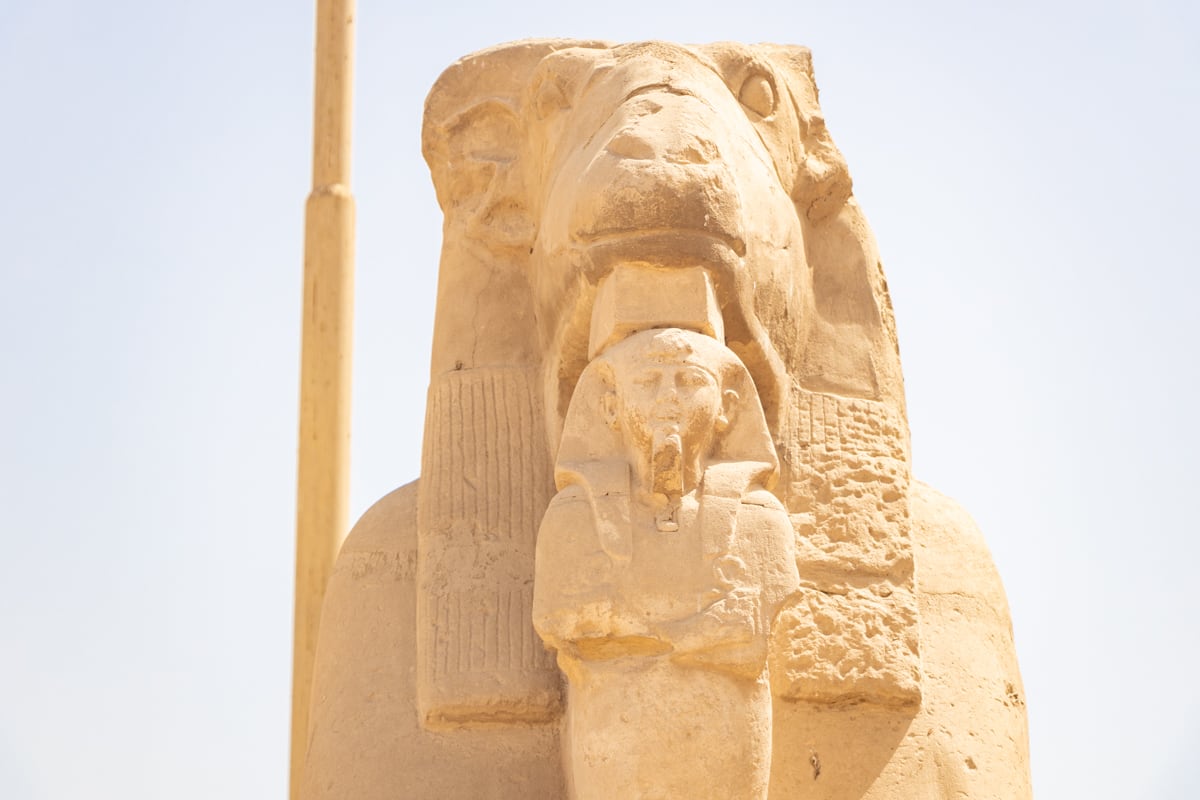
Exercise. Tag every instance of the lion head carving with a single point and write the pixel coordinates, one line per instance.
(556, 162)
(575, 156)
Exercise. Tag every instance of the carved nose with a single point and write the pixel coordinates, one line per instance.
(642, 144)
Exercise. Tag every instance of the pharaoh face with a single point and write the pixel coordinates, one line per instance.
(664, 398)
(667, 399)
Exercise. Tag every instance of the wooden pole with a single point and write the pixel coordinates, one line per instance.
(324, 454)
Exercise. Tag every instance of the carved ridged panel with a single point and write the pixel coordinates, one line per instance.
(492, 634)
(486, 482)
(484, 451)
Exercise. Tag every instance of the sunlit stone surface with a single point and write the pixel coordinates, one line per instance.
(665, 542)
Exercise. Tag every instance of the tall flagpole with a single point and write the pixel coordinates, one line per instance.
(323, 480)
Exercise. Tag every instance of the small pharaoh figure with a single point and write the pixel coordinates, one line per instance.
(660, 565)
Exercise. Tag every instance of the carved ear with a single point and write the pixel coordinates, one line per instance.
(474, 139)
(478, 114)
(497, 75)
(608, 397)
(729, 409)
(746, 438)
(479, 177)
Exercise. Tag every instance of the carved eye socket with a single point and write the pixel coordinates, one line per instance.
(692, 378)
(758, 94)
(648, 380)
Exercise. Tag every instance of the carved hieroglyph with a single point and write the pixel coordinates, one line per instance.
(666, 435)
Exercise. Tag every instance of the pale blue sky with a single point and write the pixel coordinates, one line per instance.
(1029, 169)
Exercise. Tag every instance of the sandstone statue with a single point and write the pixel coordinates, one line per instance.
(660, 566)
(665, 542)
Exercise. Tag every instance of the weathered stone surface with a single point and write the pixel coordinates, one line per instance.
(485, 484)
(848, 648)
(658, 589)
(850, 634)
(634, 298)
(367, 741)
(659, 299)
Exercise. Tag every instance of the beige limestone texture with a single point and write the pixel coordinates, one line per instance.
(665, 435)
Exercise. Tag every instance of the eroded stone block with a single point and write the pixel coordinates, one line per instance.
(634, 298)
(857, 647)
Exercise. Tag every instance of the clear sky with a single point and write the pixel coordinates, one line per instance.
(1030, 170)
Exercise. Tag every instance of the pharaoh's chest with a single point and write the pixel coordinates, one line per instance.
(668, 567)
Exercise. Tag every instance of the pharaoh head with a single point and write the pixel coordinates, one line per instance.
(670, 403)
(669, 396)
